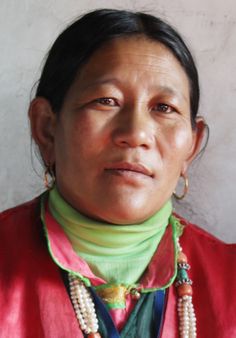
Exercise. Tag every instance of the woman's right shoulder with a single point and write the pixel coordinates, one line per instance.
(18, 207)
(18, 217)
(20, 232)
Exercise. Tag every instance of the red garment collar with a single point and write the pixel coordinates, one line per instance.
(159, 274)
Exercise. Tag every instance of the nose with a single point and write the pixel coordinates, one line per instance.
(134, 128)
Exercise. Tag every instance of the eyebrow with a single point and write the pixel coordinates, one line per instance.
(172, 92)
(101, 82)
(163, 89)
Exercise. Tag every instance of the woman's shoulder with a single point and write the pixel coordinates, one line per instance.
(19, 215)
(192, 229)
(20, 207)
(213, 272)
(196, 240)
(20, 233)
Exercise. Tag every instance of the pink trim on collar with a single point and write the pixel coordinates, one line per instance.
(63, 252)
(159, 272)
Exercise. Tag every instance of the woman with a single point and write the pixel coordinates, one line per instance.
(100, 253)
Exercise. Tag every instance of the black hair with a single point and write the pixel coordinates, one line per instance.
(75, 45)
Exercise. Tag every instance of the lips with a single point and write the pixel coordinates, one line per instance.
(129, 167)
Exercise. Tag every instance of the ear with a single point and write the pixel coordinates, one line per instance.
(197, 140)
(43, 125)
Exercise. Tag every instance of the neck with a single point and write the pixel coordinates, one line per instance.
(108, 247)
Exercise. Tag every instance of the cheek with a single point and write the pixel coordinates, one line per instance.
(183, 139)
(178, 139)
(82, 137)
(88, 134)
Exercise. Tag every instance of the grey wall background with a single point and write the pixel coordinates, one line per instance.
(27, 29)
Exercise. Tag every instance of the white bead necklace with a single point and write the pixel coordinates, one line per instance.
(85, 308)
(186, 313)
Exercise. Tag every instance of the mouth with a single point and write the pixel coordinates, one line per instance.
(123, 168)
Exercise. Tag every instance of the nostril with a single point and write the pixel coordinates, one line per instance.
(133, 138)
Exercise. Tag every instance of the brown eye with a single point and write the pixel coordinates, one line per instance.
(164, 108)
(107, 101)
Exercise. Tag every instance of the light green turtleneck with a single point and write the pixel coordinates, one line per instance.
(116, 253)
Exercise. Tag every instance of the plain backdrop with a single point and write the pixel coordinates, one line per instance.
(27, 29)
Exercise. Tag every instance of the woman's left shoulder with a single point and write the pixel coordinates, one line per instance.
(196, 239)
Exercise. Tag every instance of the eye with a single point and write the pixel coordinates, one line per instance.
(106, 101)
(164, 108)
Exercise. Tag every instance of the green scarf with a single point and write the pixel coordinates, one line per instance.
(116, 253)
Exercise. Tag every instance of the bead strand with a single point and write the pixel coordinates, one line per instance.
(187, 318)
(84, 307)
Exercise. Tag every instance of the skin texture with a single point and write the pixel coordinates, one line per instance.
(123, 136)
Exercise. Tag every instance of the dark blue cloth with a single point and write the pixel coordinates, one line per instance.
(145, 320)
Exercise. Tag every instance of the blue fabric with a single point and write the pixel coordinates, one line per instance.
(103, 313)
(159, 305)
(145, 320)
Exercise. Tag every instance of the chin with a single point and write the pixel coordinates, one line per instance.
(127, 215)
(126, 209)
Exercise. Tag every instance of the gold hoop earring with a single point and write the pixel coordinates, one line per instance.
(186, 184)
(49, 177)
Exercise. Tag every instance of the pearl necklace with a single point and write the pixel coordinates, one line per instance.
(186, 313)
(85, 308)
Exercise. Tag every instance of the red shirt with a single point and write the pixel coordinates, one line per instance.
(34, 301)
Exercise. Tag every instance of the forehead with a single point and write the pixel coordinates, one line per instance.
(136, 59)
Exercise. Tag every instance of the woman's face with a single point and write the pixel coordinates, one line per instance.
(124, 133)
